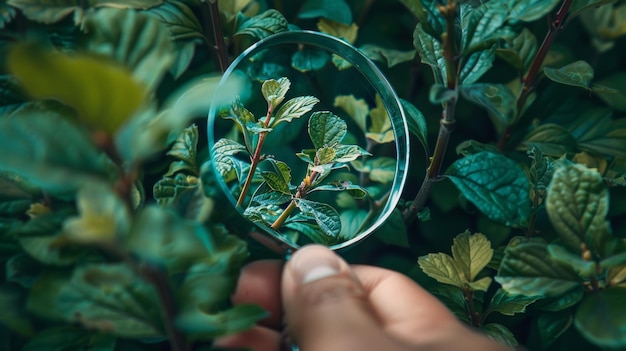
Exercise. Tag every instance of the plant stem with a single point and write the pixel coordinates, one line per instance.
(471, 309)
(256, 158)
(447, 122)
(528, 82)
(283, 216)
(211, 6)
(533, 216)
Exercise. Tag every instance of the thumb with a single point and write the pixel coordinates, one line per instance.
(326, 306)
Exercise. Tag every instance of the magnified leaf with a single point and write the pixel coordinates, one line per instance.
(294, 108)
(326, 129)
(276, 174)
(324, 215)
(600, 318)
(472, 253)
(357, 109)
(354, 190)
(310, 59)
(495, 184)
(380, 129)
(223, 151)
(274, 91)
(578, 74)
(380, 169)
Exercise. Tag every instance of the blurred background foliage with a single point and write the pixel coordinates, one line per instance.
(113, 231)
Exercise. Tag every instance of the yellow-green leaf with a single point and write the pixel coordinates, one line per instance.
(443, 268)
(472, 253)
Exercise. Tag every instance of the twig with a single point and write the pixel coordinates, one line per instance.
(528, 82)
(211, 7)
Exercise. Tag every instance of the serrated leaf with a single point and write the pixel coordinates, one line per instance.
(391, 57)
(443, 268)
(551, 139)
(335, 10)
(527, 269)
(357, 109)
(552, 325)
(310, 59)
(48, 75)
(103, 216)
(326, 129)
(499, 333)
(324, 215)
(578, 74)
(206, 325)
(274, 90)
(222, 152)
(509, 304)
(472, 253)
(294, 108)
(140, 42)
(577, 204)
(262, 25)
(50, 152)
(600, 318)
(476, 65)
(541, 170)
(430, 52)
(495, 184)
(481, 284)
(70, 338)
(498, 99)
(264, 195)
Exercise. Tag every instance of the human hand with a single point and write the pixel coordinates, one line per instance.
(331, 306)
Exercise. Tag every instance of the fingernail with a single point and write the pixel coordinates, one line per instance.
(314, 263)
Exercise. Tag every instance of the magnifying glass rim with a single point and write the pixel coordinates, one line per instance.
(381, 85)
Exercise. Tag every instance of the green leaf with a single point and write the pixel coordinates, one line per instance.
(600, 318)
(530, 10)
(391, 57)
(380, 129)
(103, 216)
(499, 333)
(309, 59)
(495, 184)
(472, 253)
(326, 129)
(551, 139)
(325, 155)
(521, 51)
(476, 65)
(184, 151)
(541, 171)
(453, 298)
(7, 13)
(50, 152)
(578, 74)
(598, 132)
(230, 8)
(577, 204)
(443, 268)
(380, 169)
(13, 316)
(50, 11)
(22, 269)
(224, 163)
(324, 215)
(262, 25)
(481, 284)
(527, 269)
(205, 325)
(552, 325)
(562, 302)
(352, 221)
(509, 304)
(69, 79)
(483, 26)
(243, 118)
(348, 153)
(185, 31)
(416, 123)
(357, 109)
(69, 339)
(294, 108)
(585, 269)
(354, 190)
(440, 93)
(498, 99)
(430, 52)
(347, 32)
(580, 6)
(336, 10)
(277, 175)
(140, 42)
(274, 91)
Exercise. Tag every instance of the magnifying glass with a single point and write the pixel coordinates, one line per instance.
(313, 147)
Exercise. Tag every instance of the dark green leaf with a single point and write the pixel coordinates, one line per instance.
(597, 132)
(390, 56)
(541, 171)
(585, 269)
(326, 129)
(521, 51)
(498, 99)
(440, 93)
(336, 10)
(552, 325)
(274, 91)
(184, 151)
(453, 298)
(142, 43)
(472, 252)
(264, 195)
(204, 325)
(261, 25)
(13, 316)
(416, 123)
(428, 14)
(243, 118)
(527, 269)
(22, 269)
(499, 333)
(530, 10)
(310, 59)
(551, 139)
(276, 175)
(483, 26)
(294, 108)
(577, 204)
(69, 79)
(579, 6)
(508, 304)
(352, 222)
(70, 339)
(354, 190)
(324, 215)
(578, 74)
(495, 184)
(443, 268)
(6, 14)
(476, 65)
(430, 52)
(600, 318)
(562, 302)
(310, 230)
(617, 99)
